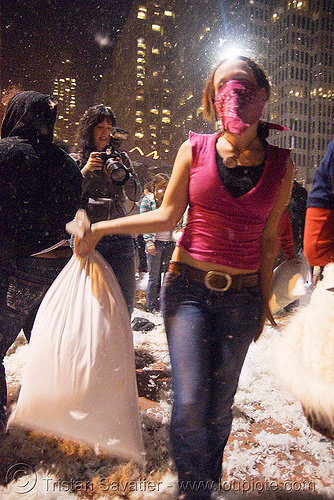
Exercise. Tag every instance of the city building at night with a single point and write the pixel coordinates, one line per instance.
(138, 86)
(64, 92)
(301, 65)
(167, 50)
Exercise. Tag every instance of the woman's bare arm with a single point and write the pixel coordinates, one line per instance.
(269, 243)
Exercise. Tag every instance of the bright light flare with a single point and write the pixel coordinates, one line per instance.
(231, 52)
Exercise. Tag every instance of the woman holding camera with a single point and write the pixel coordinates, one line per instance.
(215, 296)
(108, 176)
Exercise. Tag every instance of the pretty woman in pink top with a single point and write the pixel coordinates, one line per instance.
(215, 296)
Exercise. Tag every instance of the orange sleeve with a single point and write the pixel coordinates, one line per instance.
(319, 236)
(285, 236)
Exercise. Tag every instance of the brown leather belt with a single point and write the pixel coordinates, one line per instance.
(217, 281)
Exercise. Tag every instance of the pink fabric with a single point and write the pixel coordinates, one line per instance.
(239, 104)
(275, 126)
(220, 228)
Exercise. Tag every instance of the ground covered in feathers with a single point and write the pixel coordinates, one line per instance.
(272, 452)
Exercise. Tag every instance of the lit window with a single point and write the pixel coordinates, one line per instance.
(141, 53)
(199, 110)
(139, 98)
(154, 111)
(141, 60)
(155, 51)
(165, 112)
(189, 117)
(168, 13)
(140, 82)
(153, 127)
(154, 73)
(140, 135)
(139, 120)
(140, 43)
(142, 13)
(165, 119)
(153, 134)
(207, 29)
(156, 27)
(139, 113)
(140, 75)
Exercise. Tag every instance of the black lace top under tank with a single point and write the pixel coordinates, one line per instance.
(238, 180)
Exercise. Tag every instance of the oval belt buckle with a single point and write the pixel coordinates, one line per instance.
(210, 274)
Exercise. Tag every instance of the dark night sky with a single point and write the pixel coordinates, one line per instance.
(37, 34)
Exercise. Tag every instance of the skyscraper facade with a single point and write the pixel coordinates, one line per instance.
(138, 85)
(301, 63)
(168, 48)
(64, 92)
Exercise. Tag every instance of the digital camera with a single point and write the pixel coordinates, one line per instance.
(114, 166)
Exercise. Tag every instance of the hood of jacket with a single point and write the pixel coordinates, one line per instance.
(32, 116)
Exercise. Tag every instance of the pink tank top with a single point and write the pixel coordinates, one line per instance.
(220, 228)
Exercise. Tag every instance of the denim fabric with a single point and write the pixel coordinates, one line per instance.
(22, 288)
(119, 252)
(140, 245)
(157, 264)
(208, 336)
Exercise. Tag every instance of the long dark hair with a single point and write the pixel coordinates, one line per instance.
(85, 139)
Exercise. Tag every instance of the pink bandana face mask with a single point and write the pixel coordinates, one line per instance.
(239, 104)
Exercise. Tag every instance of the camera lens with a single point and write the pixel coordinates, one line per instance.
(118, 174)
(117, 171)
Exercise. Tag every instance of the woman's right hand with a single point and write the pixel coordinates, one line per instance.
(94, 163)
(83, 246)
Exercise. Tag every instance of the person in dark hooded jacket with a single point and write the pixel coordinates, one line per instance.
(40, 190)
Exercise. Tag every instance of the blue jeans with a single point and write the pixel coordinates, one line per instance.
(23, 284)
(208, 336)
(157, 264)
(119, 252)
